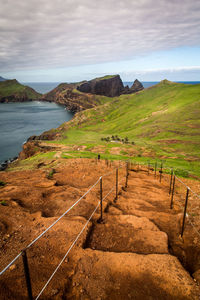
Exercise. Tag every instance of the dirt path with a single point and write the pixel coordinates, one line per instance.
(127, 256)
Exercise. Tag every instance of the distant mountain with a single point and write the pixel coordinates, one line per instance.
(13, 91)
(2, 79)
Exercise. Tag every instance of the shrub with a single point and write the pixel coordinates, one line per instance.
(50, 175)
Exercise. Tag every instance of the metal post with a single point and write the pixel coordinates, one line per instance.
(172, 197)
(161, 167)
(101, 199)
(184, 215)
(116, 198)
(99, 156)
(27, 275)
(148, 167)
(170, 186)
(155, 167)
(126, 184)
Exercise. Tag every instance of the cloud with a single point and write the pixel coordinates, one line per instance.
(51, 34)
(184, 73)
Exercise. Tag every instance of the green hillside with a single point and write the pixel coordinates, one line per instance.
(12, 90)
(158, 123)
(163, 121)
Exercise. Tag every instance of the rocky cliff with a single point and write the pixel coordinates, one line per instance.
(67, 95)
(13, 91)
(81, 95)
(110, 86)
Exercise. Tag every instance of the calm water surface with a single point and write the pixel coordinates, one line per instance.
(18, 121)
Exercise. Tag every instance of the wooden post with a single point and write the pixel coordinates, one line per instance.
(155, 168)
(148, 167)
(184, 214)
(126, 184)
(170, 185)
(172, 197)
(116, 197)
(101, 199)
(27, 275)
(161, 167)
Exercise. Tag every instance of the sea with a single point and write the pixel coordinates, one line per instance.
(19, 121)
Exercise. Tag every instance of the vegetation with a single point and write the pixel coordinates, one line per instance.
(163, 121)
(4, 203)
(50, 175)
(2, 183)
(104, 77)
(115, 138)
(11, 88)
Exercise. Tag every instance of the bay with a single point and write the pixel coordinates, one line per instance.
(19, 121)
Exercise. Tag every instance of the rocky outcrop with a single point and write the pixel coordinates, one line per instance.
(13, 91)
(136, 87)
(81, 95)
(110, 86)
(71, 98)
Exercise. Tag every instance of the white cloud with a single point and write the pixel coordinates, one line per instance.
(47, 34)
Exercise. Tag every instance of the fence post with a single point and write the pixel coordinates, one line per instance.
(184, 215)
(126, 184)
(155, 168)
(170, 186)
(161, 167)
(172, 197)
(116, 198)
(148, 167)
(27, 275)
(101, 200)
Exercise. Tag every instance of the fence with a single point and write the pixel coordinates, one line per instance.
(152, 169)
(23, 253)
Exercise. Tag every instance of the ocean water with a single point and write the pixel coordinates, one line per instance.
(19, 121)
(147, 84)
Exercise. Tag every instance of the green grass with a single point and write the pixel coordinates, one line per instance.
(163, 121)
(13, 87)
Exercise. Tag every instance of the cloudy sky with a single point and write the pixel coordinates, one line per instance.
(71, 40)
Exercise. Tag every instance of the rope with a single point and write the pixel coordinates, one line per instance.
(72, 245)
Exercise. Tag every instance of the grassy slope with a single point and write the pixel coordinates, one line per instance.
(163, 121)
(13, 87)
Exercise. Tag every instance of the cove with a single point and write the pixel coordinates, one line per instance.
(19, 121)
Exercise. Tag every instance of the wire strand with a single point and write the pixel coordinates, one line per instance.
(72, 245)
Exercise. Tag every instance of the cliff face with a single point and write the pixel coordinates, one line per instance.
(81, 95)
(110, 86)
(13, 91)
(70, 97)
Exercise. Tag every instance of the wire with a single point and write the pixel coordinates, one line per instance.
(37, 238)
(72, 245)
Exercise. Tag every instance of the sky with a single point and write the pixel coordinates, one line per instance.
(73, 40)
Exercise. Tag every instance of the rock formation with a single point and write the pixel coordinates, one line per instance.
(110, 86)
(81, 95)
